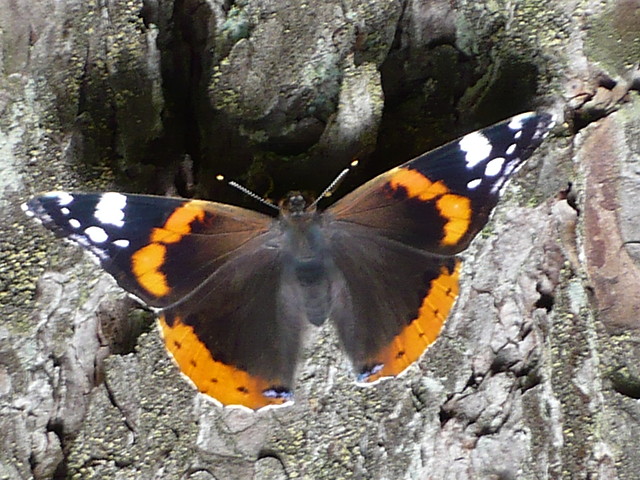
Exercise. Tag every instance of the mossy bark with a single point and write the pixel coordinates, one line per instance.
(535, 375)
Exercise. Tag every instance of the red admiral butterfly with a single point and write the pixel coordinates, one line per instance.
(235, 289)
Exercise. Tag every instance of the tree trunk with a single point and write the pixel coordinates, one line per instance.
(535, 375)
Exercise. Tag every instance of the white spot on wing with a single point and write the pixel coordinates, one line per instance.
(510, 167)
(473, 184)
(96, 234)
(511, 149)
(74, 223)
(63, 198)
(516, 122)
(493, 167)
(122, 243)
(477, 148)
(110, 209)
(65, 211)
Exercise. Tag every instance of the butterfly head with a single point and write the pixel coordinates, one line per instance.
(297, 204)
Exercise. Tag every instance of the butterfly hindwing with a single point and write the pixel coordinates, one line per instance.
(238, 338)
(387, 317)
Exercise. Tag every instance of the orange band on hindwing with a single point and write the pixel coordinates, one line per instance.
(225, 383)
(413, 340)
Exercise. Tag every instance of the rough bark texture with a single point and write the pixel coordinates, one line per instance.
(536, 374)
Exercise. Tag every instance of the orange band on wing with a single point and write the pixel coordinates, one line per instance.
(455, 209)
(179, 223)
(147, 262)
(417, 185)
(225, 383)
(413, 340)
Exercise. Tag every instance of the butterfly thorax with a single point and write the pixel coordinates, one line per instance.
(305, 254)
(300, 226)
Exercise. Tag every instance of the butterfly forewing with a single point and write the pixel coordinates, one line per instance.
(440, 200)
(157, 248)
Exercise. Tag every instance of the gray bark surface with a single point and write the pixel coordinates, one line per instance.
(536, 373)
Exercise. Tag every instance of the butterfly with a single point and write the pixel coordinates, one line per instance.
(236, 290)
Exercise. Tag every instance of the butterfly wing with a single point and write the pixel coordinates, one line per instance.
(213, 269)
(394, 239)
(390, 303)
(238, 340)
(440, 200)
(157, 248)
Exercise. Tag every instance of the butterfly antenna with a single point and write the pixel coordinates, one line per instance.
(247, 192)
(333, 186)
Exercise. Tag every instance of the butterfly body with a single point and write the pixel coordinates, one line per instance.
(306, 262)
(236, 289)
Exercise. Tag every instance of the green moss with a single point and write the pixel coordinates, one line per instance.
(613, 38)
(237, 25)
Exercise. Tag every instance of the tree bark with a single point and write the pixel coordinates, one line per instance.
(535, 375)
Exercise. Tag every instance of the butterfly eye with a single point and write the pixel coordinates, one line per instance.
(295, 203)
